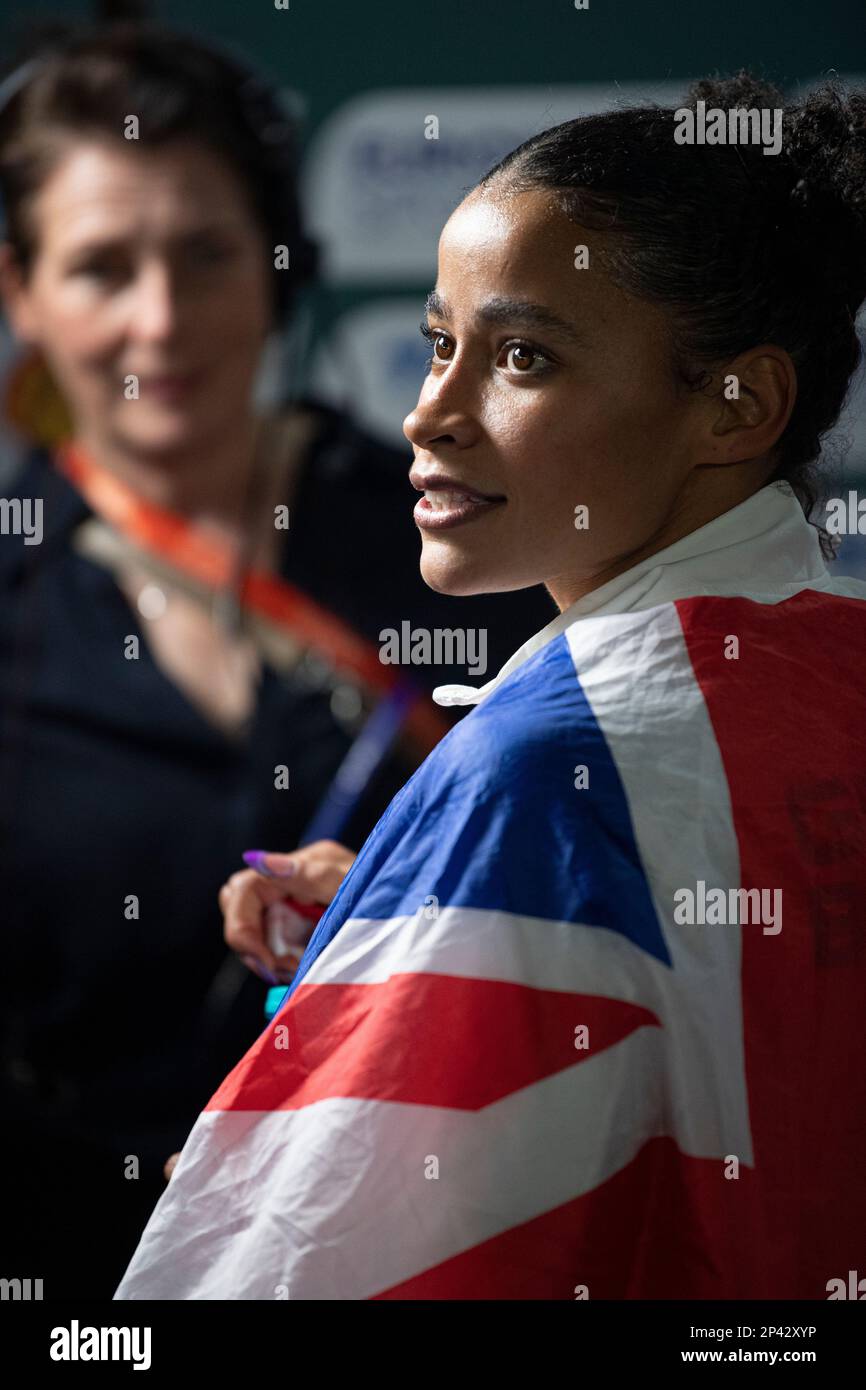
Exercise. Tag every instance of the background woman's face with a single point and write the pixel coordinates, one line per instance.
(546, 416)
(148, 264)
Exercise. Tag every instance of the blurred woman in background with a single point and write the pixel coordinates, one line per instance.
(175, 685)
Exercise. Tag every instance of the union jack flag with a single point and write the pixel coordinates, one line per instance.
(505, 1070)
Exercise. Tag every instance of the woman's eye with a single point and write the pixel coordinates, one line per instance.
(100, 270)
(440, 344)
(210, 252)
(522, 358)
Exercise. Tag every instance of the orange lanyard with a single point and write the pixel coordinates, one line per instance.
(174, 539)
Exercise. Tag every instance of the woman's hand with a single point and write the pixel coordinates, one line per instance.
(267, 933)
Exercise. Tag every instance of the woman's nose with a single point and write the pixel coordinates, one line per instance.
(155, 303)
(439, 417)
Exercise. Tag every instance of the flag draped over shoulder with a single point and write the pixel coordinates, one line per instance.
(515, 1063)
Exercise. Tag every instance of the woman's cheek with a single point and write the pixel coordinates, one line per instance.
(240, 302)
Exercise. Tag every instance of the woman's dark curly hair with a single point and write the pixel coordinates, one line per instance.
(85, 83)
(740, 248)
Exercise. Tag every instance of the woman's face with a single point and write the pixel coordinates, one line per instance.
(148, 266)
(549, 390)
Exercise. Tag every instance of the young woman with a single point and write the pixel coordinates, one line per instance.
(583, 1018)
(160, 659)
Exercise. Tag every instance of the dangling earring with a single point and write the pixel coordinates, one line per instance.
(32, 402)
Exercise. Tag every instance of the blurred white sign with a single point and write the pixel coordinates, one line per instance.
(378, 187)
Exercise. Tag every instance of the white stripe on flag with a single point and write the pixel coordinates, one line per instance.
(247, 1212)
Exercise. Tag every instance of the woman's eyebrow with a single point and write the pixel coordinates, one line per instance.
(434, 304)
(110, 241)
(505, 312)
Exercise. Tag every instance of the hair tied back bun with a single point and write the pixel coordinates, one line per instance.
(826, 149)
(742, 90)
(824, 137)
(826, 145)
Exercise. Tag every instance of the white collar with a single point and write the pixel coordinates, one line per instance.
(763, 548)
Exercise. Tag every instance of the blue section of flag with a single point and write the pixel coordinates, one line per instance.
(493, 820)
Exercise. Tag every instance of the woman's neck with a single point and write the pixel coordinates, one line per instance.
(208, 484)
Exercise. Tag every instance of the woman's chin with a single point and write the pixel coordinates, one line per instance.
(165, 432)
(448, 571)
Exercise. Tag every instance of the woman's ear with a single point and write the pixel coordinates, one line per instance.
(753, 397)
(15, 296)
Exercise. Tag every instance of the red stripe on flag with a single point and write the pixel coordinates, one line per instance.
(639, 1234)
(421, 1039)
(789, 714)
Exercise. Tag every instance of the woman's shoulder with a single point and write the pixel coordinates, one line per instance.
(623, 681)
(26, 473)
(38, 507)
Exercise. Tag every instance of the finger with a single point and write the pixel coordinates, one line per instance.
(312, 874)
(244, 901)
(169, 1166)
(248, 892)
(268, 864)
(248, 943)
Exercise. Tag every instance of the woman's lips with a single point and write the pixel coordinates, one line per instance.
(441, 508)
(176, 386)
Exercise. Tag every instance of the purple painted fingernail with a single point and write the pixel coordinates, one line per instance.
(261, 970)
(255, 858)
